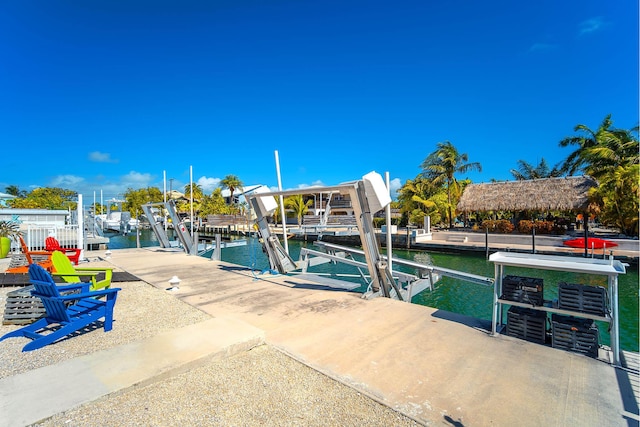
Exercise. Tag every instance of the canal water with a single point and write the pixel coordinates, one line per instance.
(450, 294)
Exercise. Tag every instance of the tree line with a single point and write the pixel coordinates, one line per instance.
(608, 154)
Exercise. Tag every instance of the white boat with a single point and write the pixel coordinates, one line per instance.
(117, 221)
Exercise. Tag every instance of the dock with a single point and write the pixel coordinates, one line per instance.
(430, 365)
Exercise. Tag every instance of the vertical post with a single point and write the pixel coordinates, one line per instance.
(389, 237)
(585, 227)
(497, 286)
(282, 215)
(215, 254)
(80, 238)
(615, 324)
(533, 239)
(191, 222)
(164, 186)
(164, 198)
(408, 237)
(138, 229)
(486, 242)
(196, 240)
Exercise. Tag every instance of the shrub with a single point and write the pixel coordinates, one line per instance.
(542, 227)
(525, 226)
(504, 226)
(498, 226)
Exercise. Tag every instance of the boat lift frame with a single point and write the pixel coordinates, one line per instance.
(368, 196)
(184, 235)
(410, 284)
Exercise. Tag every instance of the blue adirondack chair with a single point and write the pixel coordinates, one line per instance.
(72, 311)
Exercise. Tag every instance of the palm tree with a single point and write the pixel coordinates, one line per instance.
(15, 191)
(298, 205)
(232, 183)
(611, 156)
(615, 149)
(415, 198)
(197, 191)
(441, 167)
(589, 138)
(528, 171)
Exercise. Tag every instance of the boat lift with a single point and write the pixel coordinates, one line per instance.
(410, 285)
(183, 233)
(368, 196)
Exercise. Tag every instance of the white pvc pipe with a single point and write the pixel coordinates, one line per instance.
(282, 214)
(389, 237)
(164, 198)
(193, 234)
(80, 226)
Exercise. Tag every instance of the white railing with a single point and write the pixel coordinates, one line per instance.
(35, 235)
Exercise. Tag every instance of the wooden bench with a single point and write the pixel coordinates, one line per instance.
(459, 239)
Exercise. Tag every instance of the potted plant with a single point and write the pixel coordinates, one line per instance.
(8, 230)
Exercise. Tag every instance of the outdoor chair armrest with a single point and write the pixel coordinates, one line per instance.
(108, 292)
(73, 286)
(77, 273)
(39, 253)
(108, 272)
(98, 269)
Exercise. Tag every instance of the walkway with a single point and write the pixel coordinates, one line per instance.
(431, 365)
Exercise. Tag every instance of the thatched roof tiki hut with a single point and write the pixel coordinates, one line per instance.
(566, 194)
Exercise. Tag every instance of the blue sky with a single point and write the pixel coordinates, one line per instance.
(101, 96)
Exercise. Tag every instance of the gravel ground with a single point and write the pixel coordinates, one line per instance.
(258, 387)
(141, 311)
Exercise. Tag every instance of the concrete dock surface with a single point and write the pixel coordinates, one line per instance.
(436, 367)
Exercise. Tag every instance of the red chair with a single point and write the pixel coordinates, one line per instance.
(51, 244)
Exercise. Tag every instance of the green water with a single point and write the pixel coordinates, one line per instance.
(453, 295)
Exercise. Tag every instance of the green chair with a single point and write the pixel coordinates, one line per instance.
(63, 268)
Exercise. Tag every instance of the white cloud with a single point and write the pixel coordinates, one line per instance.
(395, 184)
(591, 25)
(136, 180)
(317, 183)
(66, 181)
(97, 156)
(208, 184)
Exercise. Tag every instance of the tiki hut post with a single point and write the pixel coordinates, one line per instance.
(533, 238)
